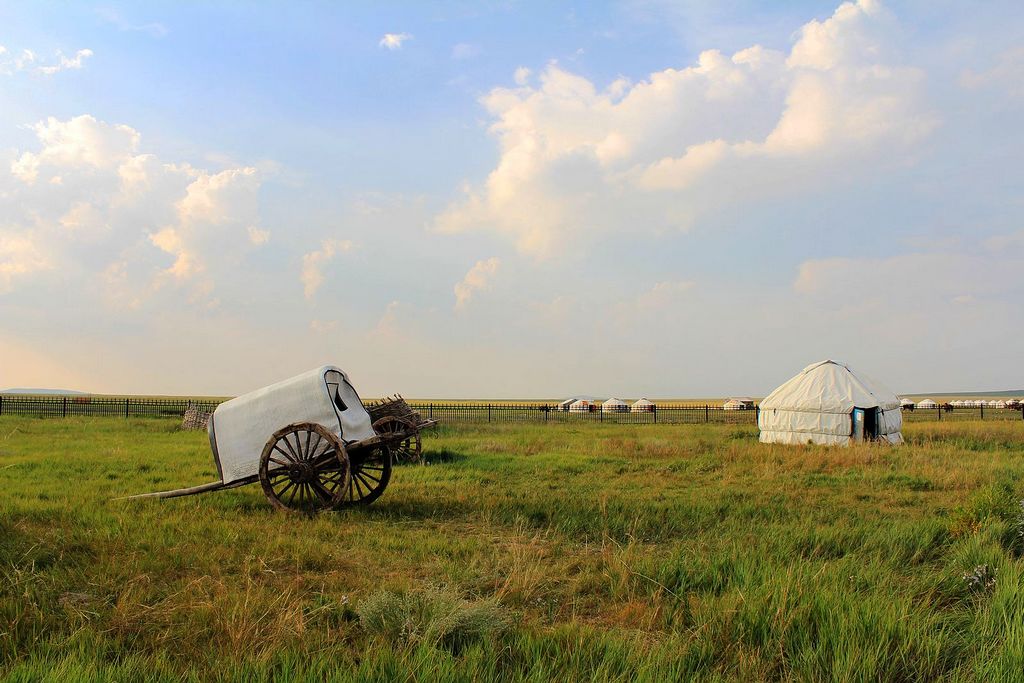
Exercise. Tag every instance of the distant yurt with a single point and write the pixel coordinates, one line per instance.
(827, 403)
(1000, 404)
(642, 406)
(927, 403)
(957, 404)
(906, 403)
(739, 404)
(564, 405)
(614, 405)
(581, 406)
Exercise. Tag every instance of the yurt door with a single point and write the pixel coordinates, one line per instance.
(871, 423)
(858, 424)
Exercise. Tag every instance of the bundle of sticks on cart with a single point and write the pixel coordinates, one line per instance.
(310, 443)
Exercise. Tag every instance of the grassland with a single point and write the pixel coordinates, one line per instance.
(595, 552)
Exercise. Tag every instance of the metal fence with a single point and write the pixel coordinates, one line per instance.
(95, 406)
(661, 414)
(940, 413)
(459, 413)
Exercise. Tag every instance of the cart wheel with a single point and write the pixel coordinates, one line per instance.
(371, 472)
(406, 450)
(304, 467)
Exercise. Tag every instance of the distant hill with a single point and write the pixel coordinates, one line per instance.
(42, 392)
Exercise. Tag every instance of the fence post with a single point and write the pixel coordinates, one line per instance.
(64, 407)
(654, 409)
(707, 413)
(982, 411)
(488, 412)
(1, 404)
(939, 408)
(430, 409)
(126, 407)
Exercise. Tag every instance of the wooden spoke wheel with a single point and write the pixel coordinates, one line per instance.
(371, 472)
(304, 467)
(404, 451)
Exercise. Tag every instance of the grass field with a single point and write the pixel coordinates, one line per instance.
(597, 552)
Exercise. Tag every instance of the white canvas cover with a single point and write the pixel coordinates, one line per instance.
(241, 427)
(733, 404)
(927, 403)
(642, 406)
(580, 406)
(816, 406)
(906, 402)
(614, 405)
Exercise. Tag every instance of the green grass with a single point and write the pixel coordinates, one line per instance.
(557, 552)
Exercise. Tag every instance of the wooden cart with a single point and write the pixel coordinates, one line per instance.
(330, 453)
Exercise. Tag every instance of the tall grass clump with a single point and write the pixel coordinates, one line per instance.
(434, 616)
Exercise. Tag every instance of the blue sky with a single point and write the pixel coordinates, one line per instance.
(510, 199)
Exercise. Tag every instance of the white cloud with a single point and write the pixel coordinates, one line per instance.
(258, 236)
(465, 51)
(118, 214)
(477, 279)
(27, 60)
(1007, 74)
(313, 263)
(521, 75)
(324, 327)
(153, 28)
(577, 161)
(910, 282)
(82, 141)
(19, 256)
(664, 295)
(65, 63)
(84, 220)
(394, 41)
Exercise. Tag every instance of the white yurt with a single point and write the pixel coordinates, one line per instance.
(642, 406)
(614, 405)
(906, 403)
(957, 404)
(827, 403)
(564, 405)
(927, 403)
(979, 404)
(581, 406)
(732, 404)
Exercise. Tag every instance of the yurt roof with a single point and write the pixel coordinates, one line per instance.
(927, 402)
(614, 402)
(829, 386)
(643, 402)
(906, 402)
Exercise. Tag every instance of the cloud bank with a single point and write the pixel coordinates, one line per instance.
(577, 161)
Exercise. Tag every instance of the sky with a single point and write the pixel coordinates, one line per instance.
(511, 199)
